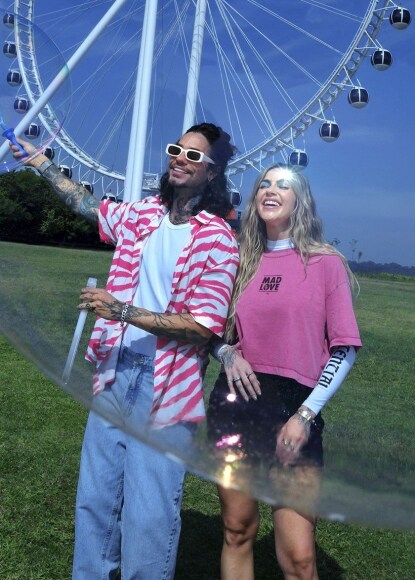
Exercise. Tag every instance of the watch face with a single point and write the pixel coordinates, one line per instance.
(305, 414)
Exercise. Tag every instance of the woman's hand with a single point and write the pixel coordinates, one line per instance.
(241, 377)
(101, 302)
(291, 438)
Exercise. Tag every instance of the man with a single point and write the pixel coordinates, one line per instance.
(167, 294)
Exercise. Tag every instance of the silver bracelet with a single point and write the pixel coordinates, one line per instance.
(45, 165)
(124, 311)
(305, 415)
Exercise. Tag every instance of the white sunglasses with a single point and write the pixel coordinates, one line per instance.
(190, 154)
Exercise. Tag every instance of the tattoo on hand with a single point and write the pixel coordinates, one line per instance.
(228, 357)
(115, 308)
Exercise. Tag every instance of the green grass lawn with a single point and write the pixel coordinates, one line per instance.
(369, 441)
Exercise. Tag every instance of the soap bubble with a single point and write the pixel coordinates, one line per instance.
(369, 456)
(30, 61)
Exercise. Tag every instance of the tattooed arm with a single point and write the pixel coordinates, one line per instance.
(74, 195)
(180, 327)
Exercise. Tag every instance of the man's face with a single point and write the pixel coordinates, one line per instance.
(189, 175)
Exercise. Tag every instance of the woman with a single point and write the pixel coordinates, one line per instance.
(294, 337)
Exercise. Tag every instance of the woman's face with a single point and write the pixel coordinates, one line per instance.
(275, 202)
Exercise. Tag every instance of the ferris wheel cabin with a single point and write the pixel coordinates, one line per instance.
(298, 158)
(358, 97)
(8, 19)
(33, 131)
(66, 170)
(400, 18)
(110, 196)
(329, 131)
(87, 186)
(49, 152)
(236, 198)
(9, 49)
(14, 78)
(381, 59)
(21, 105)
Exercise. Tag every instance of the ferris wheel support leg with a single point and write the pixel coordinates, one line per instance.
(194, 67)
(63, 74)
(135, 161)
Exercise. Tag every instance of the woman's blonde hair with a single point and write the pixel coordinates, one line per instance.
(305, 231)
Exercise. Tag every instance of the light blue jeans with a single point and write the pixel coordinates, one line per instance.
(129, 495)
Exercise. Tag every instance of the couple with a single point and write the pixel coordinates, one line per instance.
(166, 302)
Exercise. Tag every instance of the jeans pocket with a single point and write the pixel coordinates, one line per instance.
(138, 389)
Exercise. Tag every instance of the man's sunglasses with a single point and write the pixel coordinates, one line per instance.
(190, 154)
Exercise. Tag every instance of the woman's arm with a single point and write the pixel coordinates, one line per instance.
(296, 431)
(334, 374)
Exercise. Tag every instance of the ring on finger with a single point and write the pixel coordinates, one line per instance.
(249, 374)
(236, 380)
(286, 442)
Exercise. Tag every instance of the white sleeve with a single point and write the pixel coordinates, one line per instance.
(333, 375)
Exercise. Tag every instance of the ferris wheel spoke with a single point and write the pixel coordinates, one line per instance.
(257, 78)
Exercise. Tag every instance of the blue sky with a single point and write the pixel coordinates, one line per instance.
(363, 182)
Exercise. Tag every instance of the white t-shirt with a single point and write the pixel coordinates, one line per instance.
(159, 259)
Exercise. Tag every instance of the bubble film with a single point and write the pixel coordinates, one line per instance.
(369, 457)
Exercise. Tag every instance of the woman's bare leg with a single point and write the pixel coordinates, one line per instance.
(295, 544)
(240, 520)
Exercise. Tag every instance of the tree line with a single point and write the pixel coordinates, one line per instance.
(30, 212)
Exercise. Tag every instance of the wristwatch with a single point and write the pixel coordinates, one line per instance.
(306, 414)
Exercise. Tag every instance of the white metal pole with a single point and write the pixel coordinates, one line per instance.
(63, 73)
(91, 283)
(136, 151)
(194, 67)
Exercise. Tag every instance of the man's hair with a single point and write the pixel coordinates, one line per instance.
(216, 195)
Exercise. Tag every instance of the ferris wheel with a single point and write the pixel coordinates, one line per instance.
(268, 72)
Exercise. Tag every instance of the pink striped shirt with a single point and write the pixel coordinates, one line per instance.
(202, 285)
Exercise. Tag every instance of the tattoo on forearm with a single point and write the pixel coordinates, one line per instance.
(165, 325)
(76, 197)
(88, 207)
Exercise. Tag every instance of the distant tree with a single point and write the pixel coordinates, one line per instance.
(335, 242)
(353, 244)
(359, 255)
(10, 214)
(31, 212)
